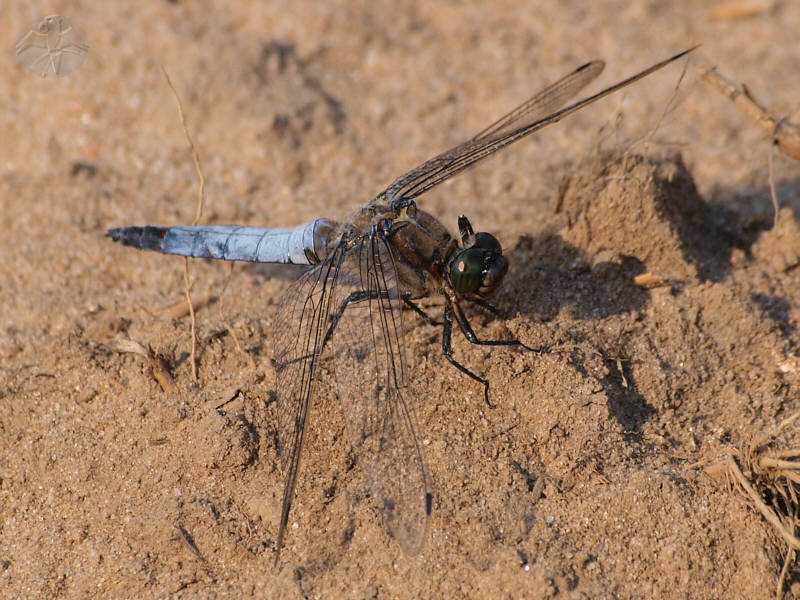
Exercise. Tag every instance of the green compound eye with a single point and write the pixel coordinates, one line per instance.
(488, 242)
(465, 274)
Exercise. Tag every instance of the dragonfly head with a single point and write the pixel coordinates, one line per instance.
(478, 266)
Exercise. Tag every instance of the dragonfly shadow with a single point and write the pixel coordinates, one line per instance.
(555, 279)
(276, 271)
(549, 275)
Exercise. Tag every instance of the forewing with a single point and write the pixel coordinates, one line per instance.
(547, 101)
(539, 111)
(371, 373)
(460, 157)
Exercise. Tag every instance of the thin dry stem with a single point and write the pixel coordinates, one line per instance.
(232, 333)
(769, 437)
(785, 134)
(768, 462)
(187, 541)
(788, 453)
(791, 476)
(788, 559)
(187, 287)
(787, 422)
(195, 155)
(670, 104)
(784, 570)
(772, 192)
(187, 284)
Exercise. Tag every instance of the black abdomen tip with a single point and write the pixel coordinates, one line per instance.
(146, 238)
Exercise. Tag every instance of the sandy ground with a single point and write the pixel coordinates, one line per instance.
(587, 480)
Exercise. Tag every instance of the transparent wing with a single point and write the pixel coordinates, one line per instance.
(371, 372)
(545, 102)
(300, 328)
(351, 302)
(539, 111)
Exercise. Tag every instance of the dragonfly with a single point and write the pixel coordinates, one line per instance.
(364, 271)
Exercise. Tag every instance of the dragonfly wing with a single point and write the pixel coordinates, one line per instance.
(547, 101)
(532, 110)
(371, 372)
(535, 113)
(300, 328)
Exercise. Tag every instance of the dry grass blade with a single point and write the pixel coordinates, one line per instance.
(158, 366)
(767, 473)
(769, 513)
(180, 309)
(786, 453)
(767, 462)
(740, 9)
(228, 327)
(784, 570)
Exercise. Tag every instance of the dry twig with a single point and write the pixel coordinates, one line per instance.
(785, 134)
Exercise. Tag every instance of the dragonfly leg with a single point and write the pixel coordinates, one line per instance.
(421, 312)
(484, 304)
(466, 328)
(447, 350)
(353, 298)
